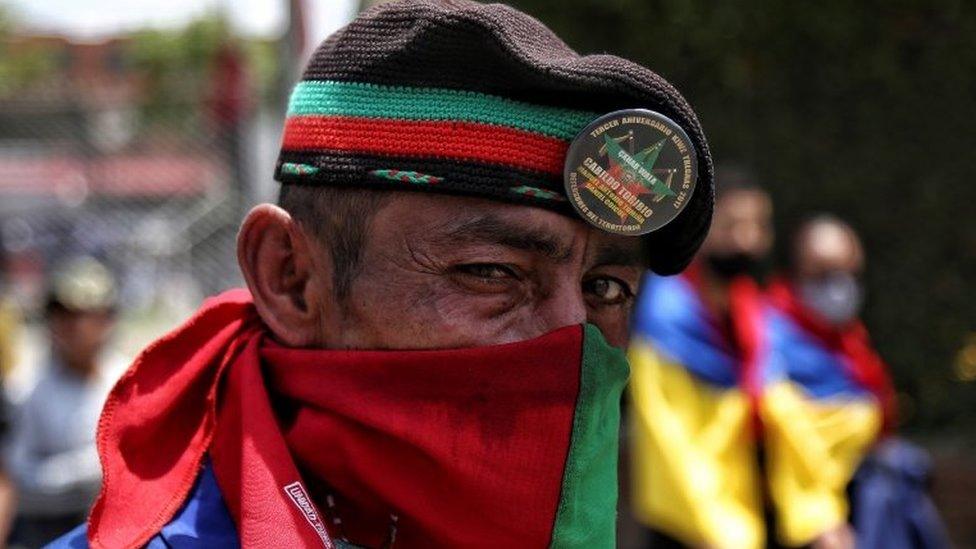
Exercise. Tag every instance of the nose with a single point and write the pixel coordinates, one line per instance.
(563, 306)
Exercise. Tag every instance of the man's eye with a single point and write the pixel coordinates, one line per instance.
(487, 271)
(487, 278)
(609, 291)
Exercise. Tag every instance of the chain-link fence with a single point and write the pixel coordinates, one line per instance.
(148, 169)
(159, 203)
(140, 157)
(142, 151)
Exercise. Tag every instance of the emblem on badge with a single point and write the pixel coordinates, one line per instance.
(630, 172)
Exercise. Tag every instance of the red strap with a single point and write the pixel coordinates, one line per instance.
(748, 329)
(256, 474)
(158, 421)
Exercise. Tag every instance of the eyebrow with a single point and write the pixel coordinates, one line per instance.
(492, 230)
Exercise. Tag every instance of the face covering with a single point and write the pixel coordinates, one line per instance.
(498, 446)
(836, 298)
(729, 266)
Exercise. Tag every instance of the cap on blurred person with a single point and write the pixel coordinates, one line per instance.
(80, 312)
(82, 284)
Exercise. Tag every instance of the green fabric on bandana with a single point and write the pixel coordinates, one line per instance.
(587, 512)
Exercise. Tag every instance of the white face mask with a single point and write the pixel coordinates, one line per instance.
(837, 297)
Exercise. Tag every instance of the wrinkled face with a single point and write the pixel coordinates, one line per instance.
(742, 224)
(448, 272)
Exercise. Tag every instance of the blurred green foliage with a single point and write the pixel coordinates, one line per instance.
(864, 109)
(158, 55)
(175, 65)
(27, 65)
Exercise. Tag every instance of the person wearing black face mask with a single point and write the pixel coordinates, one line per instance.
(830, 403)
(742, 234)
(695, 474)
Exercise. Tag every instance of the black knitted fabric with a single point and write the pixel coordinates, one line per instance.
(497, 50)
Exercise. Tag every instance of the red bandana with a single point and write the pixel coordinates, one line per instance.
(439, 448)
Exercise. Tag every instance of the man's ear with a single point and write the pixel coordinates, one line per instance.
(286, 274)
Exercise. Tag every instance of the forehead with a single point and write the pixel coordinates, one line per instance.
(449, 221)
(829, 246)
(744, 203)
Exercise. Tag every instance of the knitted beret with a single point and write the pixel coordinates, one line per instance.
(472, 99)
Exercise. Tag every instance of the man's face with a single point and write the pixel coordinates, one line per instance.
(742, 224)
(449, 272)
(77, 337)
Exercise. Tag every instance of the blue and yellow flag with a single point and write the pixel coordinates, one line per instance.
(824, 404)
(694, 450)
(706, 394)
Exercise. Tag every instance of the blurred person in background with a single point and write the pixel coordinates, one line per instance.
(51, 452)
(430, 350)
(10, 331)
(10, 320)
(694, 452)
(828, 401)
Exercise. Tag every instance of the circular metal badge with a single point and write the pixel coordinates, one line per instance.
(630, 172)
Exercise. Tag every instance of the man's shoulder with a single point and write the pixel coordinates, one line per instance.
(204, 521)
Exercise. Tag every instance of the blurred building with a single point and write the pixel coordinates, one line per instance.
(94, 159)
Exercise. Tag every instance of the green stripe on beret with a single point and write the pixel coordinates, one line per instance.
(326, 97)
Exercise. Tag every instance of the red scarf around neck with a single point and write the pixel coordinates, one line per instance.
(441, 448)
